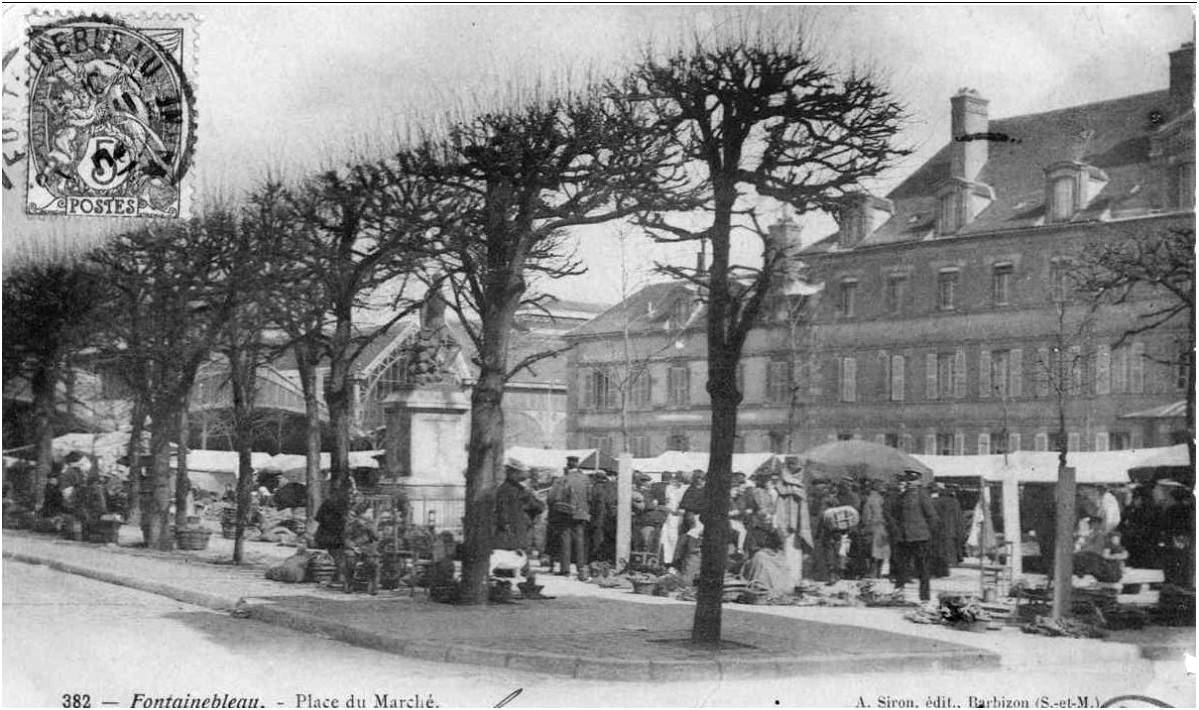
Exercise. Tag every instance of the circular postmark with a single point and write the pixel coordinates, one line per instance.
(111, 119)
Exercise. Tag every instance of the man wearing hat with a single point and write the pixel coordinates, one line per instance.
(515, 510)
(912, 524)
(570, 499)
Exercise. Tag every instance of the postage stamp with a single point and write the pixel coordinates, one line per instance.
(111, 115)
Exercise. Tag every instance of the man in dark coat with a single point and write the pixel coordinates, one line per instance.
(912, 522)
(603, 517)
(515, 509)
(572, 497)
(947, 544)
(52, 503)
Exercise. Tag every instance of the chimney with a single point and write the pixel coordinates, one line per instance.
(701, 259)
(1182, 73)
(861, 213)
(784, 236)
(969, 124)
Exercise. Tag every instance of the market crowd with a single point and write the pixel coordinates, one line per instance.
(787, 528)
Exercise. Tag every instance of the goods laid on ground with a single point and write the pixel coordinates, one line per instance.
(105, 530)
(1047, 626)
(293, 570)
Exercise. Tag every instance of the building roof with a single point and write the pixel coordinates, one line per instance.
(1174, 410)
(651, 308)
(1113, 136)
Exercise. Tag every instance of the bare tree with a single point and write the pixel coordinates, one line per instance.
(257, 278)
(165, 318)
(1061, 372)
(760, 120)
(360, 230)
(1156, 272)
(522, 175)
(49, 316)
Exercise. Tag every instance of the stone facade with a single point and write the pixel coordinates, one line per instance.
(941, 308)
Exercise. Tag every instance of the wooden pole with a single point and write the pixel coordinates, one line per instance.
(624, 508)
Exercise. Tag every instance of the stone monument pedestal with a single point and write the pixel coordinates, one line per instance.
(427, 435)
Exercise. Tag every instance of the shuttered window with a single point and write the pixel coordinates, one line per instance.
(1043, 366)
(849, 379)
(897, 387)
(984, 444)
(1013, 441)
(1103, 372)
(1040, 442)
(1016, 368)
(930, 375)
(1136, 368)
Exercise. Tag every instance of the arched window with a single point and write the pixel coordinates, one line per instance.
(1063, 201)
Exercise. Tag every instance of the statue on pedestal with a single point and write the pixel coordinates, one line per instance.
(431, 352)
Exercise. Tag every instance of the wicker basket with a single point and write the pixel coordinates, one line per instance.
(321, 568)
(645, 587)
(102, 531)
(192, 539)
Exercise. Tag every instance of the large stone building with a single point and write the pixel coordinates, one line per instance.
(944, 306)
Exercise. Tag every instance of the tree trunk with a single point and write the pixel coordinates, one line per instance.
(306, 359)
(338, 399)
(482, 475)
(133, 486)
(43, 427)
(157, 502)
(1063, 560)
(241, 378)
(722, 389)
(182, 484)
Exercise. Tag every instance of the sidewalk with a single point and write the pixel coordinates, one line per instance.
(584, 632)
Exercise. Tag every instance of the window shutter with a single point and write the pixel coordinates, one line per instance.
(959, 375)
(930, 376)
(1101, 441)
(1074, 441)
(1103, 368)
(613, 394)
(1043, 372)
(849, 374)
(930, 443)
(1136, 369)
(1137, 439)
(1013, 441)
(897, 365)
(984, 373)
(1016, 367)
(585, 385)
(1040, 442)
(984, 444)
(1120, 370)
(959, 443)
(1075, 366)
(885, 363)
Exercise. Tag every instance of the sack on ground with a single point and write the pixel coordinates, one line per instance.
(291, 569)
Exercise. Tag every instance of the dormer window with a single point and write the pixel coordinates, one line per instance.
(680, 312)
(950, 213)
(1062, 205)
(959, 202)
(848, 297)
(1071, 186)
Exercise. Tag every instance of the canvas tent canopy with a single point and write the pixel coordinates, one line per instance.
(294, 466)
(692, 460)
(555, 459)
(1091, 467)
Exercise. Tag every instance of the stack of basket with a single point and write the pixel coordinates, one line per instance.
(321, 568)
(102, 531)
(192, 538)
(229, 522)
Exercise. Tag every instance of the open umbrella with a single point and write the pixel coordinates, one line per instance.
(860, 460)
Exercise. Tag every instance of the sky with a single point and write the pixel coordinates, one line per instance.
(297, 87)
